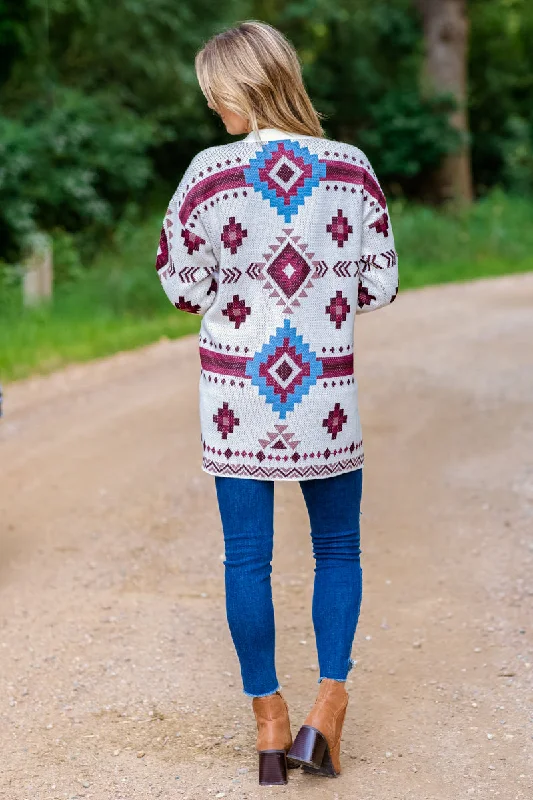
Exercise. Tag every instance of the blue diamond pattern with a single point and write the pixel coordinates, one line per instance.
(269, 352)
(285, 203)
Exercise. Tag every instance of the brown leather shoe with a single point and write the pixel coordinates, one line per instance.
(274, 738)
(318, 743)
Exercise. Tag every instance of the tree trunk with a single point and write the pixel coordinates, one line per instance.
(445, 70)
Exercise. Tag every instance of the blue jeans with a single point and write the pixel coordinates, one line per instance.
(247, 513)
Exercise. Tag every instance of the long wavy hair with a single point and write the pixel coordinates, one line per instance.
(254, 71)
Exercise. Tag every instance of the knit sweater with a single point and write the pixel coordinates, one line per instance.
(277, 244)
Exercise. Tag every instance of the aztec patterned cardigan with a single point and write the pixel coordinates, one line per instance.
(277, 244)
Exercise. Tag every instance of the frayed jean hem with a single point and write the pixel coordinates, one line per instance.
(266, 694)
(352, 664)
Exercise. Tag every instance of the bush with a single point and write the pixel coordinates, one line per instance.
(517, 153)
(362, 62)
(72, 164)
(491, 237)
(409, 135)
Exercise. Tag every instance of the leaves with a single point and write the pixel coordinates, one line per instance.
(100, 103)
(72, 167)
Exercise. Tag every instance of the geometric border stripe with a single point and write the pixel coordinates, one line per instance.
(337, 366)
(260, 456)
(223, 181)
(225, 364)
(350, 173)
(234, 178)
(296, 473)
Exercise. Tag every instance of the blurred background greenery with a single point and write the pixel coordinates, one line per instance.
(100, 113)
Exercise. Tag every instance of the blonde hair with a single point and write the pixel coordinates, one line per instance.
(254, 71)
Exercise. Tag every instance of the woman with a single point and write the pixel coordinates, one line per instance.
(277, 240)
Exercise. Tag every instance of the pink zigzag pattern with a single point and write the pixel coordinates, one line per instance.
(308, 471)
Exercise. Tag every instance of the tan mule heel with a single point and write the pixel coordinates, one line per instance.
(318, 743)
(274, 738)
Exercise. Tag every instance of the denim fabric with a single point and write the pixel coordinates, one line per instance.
(247, 513)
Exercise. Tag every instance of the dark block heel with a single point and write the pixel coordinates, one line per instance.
(310, 749)
(272, 767)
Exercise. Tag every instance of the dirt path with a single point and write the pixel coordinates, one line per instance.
(118, 679)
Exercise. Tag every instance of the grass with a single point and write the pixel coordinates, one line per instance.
(118, 304)
(493, 237)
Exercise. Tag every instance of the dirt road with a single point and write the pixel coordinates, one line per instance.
(118, 679)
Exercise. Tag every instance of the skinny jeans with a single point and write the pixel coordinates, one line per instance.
(247, 513)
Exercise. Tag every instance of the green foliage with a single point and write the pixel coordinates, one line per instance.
(116, 305)
(409, 135)
(96, 93)
(361, 63)
(517, 155)
(74, 165)
(501, 92)
(100, 106)
(492, 237)
(68, 265)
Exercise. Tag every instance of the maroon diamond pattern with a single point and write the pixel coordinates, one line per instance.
(339, 228)
(237, 311)
(226, 420)
(288, 365)
(233, 235)
(289, 270)
(285, 173)
(338, 309)
(284, 370)
(334, 421)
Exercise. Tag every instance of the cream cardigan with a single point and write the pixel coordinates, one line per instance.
(277, 244)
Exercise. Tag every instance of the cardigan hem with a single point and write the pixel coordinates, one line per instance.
(295, 473)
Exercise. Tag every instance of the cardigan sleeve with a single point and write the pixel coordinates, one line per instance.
(186, 263)
(378, 265)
